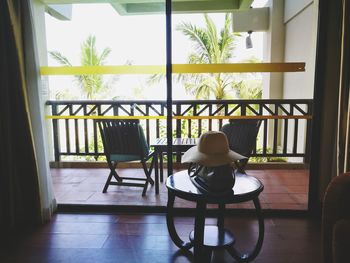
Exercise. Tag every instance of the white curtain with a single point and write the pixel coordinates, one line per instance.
(36, 105)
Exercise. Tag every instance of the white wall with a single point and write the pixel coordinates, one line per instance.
(300, 19)
(293, 7)
(274, 49)
(300, 46)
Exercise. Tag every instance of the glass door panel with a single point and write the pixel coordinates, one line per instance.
(240, 62)
(103, 61)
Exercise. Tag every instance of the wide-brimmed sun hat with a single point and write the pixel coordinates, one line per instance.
(211, 150)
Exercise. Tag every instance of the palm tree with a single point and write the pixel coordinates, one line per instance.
(249, 86)
(92, 84)
(210, 48)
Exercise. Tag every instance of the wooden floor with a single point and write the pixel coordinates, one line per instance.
(127, 238)
(284, 189)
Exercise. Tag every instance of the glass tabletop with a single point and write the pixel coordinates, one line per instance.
(246, 188)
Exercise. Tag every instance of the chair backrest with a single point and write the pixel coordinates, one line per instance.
(123, 137)
(241, 135)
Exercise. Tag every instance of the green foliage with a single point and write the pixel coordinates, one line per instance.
(248, 89)
(209, 48)
(266, 159)
(185, 127)
(63, 94)
(92, 149)
(92, 85)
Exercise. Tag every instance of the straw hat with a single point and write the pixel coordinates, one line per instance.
(212, 150)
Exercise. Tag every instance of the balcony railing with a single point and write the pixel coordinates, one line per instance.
(285, 129)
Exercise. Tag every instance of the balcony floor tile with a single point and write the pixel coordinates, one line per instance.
(283, 189)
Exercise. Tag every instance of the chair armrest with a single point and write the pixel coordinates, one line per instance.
(341, 241)
(149, 156)
(335, 207)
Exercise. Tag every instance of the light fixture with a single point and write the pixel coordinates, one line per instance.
(248, 40)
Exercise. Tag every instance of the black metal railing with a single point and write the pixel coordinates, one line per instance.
(285, 129)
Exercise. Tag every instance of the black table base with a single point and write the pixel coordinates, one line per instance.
(204, 239)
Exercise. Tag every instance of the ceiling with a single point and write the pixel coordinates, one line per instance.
(138, 7)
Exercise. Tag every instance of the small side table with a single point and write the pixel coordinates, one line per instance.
(161, 146)
(206, 238)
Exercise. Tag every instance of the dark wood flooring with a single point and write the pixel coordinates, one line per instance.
(102, 238)
(284, 189)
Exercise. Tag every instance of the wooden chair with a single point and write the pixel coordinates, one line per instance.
(336, 220)
(124, 141)
(241, 135)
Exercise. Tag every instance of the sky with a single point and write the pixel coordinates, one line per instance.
(139, 40)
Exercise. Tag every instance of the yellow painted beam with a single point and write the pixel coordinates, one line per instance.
(106, 117)
(79, 70)
(239, 67)
(263, 117)
(177, 69)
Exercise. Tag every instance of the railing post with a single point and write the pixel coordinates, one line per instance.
(147, 125)
(194, 114)
(94, 125)
(308, 133)
(243, 109)
(219, 114)
(178, 130)
(275, 131)
(210, 122)
(86, 132)
(274, 108)
(56, 131)
(199, 125)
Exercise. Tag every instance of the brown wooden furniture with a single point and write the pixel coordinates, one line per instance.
(206, 238)
(241, 135)
(160, 147)
(336, 220)
(124, 141)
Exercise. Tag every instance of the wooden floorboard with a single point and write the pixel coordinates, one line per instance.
(284, 189)
(144, 238)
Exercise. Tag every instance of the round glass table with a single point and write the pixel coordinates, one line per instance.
(204, 238)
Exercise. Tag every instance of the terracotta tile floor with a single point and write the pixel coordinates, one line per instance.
(284, 189)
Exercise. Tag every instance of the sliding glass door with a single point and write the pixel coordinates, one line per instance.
(182, 68)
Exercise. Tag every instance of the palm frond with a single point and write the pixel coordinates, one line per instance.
(213, 39)
(198, 36)
(105, 53)
(251, 59)
(60, 58)
(227, 40)
(199, 91)
(194, 58)
(89, 56)
(155, 79)
(91, 85)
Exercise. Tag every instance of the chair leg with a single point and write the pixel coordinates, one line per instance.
(147, 172)
(113, 166)
(151, 169)
(147, 180)
(107, 182)
(145, 188)
(151, 166)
